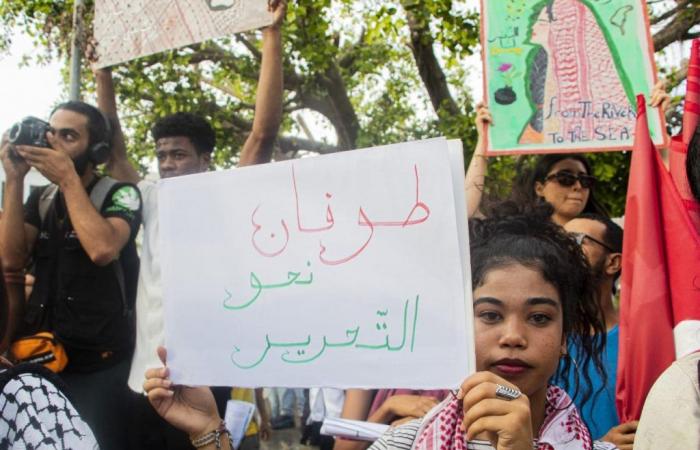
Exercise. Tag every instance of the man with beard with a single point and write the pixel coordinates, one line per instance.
(601, 241)
(184, 144)
(78, 233)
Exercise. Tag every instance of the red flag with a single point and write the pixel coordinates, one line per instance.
(679, 144)
(660, 275)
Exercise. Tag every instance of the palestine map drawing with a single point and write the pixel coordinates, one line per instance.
(129, 30)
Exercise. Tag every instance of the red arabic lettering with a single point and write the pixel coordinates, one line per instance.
(329, 213)
(362, 220)
(257, 230)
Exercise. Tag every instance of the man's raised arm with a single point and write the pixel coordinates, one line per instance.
(268, 103)
(118, 165)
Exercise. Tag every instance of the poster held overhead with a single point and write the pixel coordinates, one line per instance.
(562, 75)
(345, 270)
(130, 30)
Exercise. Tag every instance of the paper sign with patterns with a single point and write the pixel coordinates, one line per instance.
(130, 29)
(562, 75)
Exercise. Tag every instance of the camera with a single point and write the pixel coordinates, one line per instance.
(30, 131)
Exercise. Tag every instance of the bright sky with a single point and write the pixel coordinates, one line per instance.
(33, 90)
(29, 90)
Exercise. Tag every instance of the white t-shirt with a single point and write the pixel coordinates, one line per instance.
(325, 402)
(149, 298)
(671, 415)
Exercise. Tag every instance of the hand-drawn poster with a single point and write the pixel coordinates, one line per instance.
(345, 270)
(563, 75)
(127, 30)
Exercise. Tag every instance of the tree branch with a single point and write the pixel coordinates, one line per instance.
(294, 144)
(678, 28)
(680, 5)
(428, 65)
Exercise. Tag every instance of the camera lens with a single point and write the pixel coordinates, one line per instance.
(16, 133)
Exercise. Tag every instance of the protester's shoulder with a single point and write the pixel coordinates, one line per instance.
(123, 197)
(683, 372)
(31, 424)
(398, 438)
(688, 365)
(18, 378)
(146, 185)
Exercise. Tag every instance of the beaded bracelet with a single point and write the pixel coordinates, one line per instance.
(211, 437)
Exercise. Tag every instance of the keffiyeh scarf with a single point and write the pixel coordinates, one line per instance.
(35, 414)
(562, 429)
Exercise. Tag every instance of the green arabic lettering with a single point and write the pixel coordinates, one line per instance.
(268, 346)
(301, 353)
(354, 332)
(403, 338)
(415, 321)
(292, 278)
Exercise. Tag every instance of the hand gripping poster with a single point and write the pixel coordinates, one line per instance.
(562, 75)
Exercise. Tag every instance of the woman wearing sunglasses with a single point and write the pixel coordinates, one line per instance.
(565, 182)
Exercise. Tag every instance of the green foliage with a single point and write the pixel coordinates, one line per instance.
(351, 61)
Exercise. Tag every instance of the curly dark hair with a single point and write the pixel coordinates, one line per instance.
(533, 240)
(524, 185)
(99, 126)
(189, 125)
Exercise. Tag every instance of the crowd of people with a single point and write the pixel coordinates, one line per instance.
(544, 264)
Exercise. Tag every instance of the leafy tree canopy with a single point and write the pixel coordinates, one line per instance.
(374, 72)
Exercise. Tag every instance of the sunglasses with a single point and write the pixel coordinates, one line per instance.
(579, 238)
(568, 179)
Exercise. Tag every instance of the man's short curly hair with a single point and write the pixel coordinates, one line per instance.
(189, 125)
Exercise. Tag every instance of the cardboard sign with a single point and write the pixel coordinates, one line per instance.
(129, 30)
(563, 75)
(345, 270)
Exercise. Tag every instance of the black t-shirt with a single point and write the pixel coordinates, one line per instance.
(123, 201)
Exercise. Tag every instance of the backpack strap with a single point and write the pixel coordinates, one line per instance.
(45, 201)
(99, 192)
(98, 195)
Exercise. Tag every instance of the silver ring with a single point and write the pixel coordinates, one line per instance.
(507, 393)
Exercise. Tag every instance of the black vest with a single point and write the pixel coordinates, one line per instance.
(79, 301)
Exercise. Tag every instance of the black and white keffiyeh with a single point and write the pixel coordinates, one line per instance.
(35, 414)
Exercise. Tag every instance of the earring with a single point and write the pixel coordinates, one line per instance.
(573, 360)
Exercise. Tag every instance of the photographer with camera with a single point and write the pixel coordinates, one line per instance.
(78, 234)
(184, 144)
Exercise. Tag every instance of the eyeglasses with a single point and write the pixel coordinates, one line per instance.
(568, 179)
(579, 237)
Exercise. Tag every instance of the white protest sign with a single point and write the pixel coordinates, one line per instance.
(129, 30)
(346, 270)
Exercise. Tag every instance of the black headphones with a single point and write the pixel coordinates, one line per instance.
(99, 151)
